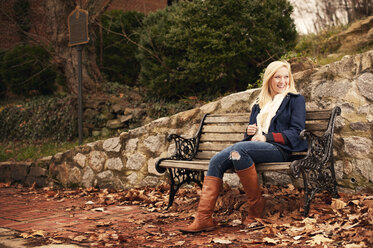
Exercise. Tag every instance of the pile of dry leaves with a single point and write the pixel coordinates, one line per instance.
(344, 222)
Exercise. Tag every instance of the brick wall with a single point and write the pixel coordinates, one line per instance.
(144, 6)
(9, 35)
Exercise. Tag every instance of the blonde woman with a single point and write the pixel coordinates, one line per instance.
(276, 120)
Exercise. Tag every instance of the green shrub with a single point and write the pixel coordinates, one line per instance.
(321, 44)
(206, 46)
(26, 70)
(119, 63)
(54, 118)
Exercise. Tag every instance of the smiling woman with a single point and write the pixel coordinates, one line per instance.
(273, 133)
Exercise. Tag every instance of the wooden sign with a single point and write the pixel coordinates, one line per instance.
(78, 27)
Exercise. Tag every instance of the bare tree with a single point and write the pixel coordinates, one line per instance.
(51, 32)
(65, 57)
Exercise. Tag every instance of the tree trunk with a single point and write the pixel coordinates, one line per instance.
(65, 57)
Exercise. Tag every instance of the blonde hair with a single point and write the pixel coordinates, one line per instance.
(265, 93)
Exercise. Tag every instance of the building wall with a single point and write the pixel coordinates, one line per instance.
(144, 6)
(9, 35)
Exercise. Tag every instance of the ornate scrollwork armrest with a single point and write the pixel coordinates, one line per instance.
(184, 150)
(319, 150)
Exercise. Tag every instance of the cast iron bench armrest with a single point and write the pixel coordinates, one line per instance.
(185, 149)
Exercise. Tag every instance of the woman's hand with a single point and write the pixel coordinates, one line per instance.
(251, 129)
(259, 137)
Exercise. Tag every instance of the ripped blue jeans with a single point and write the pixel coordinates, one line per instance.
(242, 155)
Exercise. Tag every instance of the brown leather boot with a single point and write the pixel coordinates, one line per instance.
(210, 192)
(249, 181)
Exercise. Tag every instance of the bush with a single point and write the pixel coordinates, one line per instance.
(119, 63)
(207, 46)
(54, 118)
(26, 70)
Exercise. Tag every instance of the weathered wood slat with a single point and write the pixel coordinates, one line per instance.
(318, 115)
(227, 119)
(210, 146)
(224, 129)
(316, 126)
(206, 154)
(222, 137)
(202, 165)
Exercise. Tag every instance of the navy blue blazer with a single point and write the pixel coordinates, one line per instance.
(286, 125)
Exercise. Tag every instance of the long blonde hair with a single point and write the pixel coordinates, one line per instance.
(265, 93)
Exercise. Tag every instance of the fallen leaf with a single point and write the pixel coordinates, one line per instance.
(338, 204)
(98, 209)
(221, 241)
(80, 238)
(270, 241)
(319, 239)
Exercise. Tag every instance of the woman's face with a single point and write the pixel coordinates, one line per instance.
(279, 81)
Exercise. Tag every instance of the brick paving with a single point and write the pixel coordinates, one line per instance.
(25, 212)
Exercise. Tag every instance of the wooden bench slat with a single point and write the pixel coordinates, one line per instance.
(210, 146)
(227, 119)
(316, 126)
(202, 165)
(229, 137)
(224, 129)
(206, 154)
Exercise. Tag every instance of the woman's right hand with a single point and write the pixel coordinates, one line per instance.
(251, 129)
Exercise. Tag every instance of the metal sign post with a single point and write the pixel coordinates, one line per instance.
(78, 36)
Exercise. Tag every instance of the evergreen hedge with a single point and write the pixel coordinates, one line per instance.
(26, 70)
(208, 46)
(119, 63)
(53, 118)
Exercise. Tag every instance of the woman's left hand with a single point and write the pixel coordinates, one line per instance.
(259, 137)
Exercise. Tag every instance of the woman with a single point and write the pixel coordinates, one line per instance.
(276, 120)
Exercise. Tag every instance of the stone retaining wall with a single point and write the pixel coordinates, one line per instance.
(128, 161)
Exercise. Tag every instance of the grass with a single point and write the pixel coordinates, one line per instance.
(23, 150)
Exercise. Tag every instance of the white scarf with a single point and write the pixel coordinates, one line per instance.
(266, 114)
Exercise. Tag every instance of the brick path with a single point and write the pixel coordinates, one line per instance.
(66, 220)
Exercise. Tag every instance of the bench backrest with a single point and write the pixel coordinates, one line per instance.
(219, 131)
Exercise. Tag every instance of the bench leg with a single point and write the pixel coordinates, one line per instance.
(178, 177)
(318, 180)
(309, 190)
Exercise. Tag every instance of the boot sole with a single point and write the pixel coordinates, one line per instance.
(208, 229)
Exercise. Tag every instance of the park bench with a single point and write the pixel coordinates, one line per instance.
(217, 131)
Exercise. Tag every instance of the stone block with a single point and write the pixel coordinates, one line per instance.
(135, 161)
(114, 164)
(358, 147)
(19, 172)
(132, 145)
(96, 160)
(114, 124)
(80, 159)
(154, 143)
(37, 172)
(365, 85)
(112, 145)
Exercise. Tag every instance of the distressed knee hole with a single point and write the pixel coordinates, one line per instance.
(235, 155)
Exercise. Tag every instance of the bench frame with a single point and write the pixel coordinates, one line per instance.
(316, 167)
